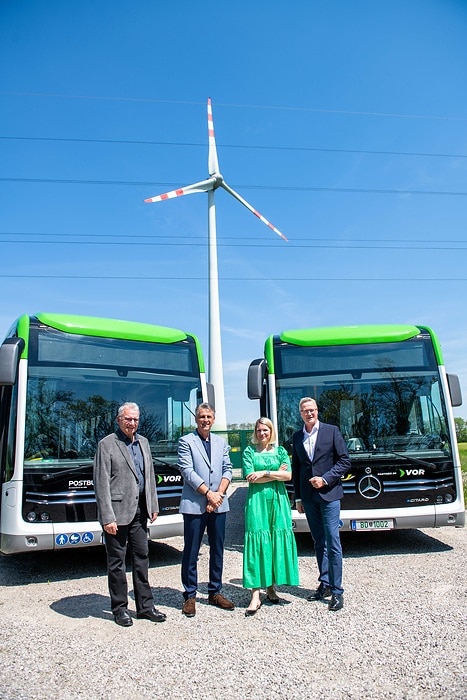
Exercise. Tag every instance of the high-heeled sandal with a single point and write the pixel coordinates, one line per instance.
(275, 600)
(253, 611)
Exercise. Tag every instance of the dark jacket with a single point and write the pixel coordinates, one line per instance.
(330, 461)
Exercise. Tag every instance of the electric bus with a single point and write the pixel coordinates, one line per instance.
(62, 379)
(386, 388)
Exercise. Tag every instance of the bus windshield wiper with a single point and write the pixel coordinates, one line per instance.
(64, 472)
(412, 460)
(163, 462)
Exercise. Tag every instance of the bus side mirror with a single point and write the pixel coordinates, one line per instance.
(255, 379)
(211, 394)
(10, 353)
(455, 389)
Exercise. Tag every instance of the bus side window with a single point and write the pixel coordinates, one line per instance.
(8, 402)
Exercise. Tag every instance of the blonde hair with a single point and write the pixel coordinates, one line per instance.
(269, 424)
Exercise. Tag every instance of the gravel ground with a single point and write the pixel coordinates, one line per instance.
(401, 634)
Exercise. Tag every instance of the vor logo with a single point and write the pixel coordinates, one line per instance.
(411, 472)
(169, 478)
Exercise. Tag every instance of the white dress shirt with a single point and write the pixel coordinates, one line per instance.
(309, 440)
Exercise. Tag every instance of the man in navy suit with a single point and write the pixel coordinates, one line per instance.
(204, 463)
(319, 460)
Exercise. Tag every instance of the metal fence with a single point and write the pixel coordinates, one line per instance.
(238, 441)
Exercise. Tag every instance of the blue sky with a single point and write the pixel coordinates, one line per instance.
(344, 123)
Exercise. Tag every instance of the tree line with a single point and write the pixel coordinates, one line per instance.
(461, 429)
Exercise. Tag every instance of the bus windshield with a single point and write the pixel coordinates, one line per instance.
(385, 397)
(76, 384)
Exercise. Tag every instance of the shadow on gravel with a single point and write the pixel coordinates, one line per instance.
(392, 542)
(41, 567)
(366, 544)
(98, 606)
(83, 606)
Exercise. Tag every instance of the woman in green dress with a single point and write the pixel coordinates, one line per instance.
(270, 551)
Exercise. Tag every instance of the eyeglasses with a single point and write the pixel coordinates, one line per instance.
(309, 410)
(129, 420)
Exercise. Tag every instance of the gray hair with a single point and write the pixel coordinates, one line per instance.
(204, 407)
(304, 400)
(127, 404)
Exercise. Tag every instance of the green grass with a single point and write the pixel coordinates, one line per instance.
(463, 455)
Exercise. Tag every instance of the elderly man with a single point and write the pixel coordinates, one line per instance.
(125, 487)
(204, 463)
(319, 460)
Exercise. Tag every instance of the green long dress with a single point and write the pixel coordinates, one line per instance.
(270, 551)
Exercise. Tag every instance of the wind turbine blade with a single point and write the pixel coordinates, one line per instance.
(203, 186)
(252, 209)
(213, 163)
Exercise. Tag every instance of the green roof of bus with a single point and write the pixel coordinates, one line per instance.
(350, 335)
(107, 328)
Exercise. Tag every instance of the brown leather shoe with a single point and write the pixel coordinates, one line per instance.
(221, 602)
(189, 607)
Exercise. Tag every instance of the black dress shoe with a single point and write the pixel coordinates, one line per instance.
(123, 618)
(321, 592)
(154, 615)
(336, 602)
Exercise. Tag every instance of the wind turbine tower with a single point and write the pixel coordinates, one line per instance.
(214, 181)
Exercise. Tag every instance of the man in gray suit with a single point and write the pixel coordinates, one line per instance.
(204, 463)
(125, 487)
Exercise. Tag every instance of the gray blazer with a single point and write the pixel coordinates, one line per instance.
(116, 480)
(195, 469)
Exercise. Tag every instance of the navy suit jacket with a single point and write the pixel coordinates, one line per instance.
(330, 461)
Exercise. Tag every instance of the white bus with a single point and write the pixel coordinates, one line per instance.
(62, 379)
(387, 389)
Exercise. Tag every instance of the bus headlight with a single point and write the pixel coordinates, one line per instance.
(449, 498)
(45, 517)
(31, 517)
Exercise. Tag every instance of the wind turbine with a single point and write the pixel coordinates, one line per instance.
(210, 185)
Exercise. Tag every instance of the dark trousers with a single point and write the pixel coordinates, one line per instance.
(194, 528)
(323, 520)
(135, 537)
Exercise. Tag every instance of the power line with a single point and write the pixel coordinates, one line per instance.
(188, 237)
(341, 245)
(184, 144)
(286, 108)
(238, 279)
(283, 188)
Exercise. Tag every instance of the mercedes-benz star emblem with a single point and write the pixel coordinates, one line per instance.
(370, 486)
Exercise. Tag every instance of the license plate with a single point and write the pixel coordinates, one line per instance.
(368, 525)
